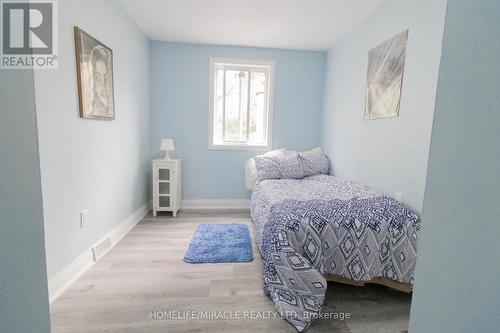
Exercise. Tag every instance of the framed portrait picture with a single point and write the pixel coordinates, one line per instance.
(386, 64)
(94, 66)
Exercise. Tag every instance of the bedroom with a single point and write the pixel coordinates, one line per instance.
(241, 166)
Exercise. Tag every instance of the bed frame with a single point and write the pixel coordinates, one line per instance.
(404, 287)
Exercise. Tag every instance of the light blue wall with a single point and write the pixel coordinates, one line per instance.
(24, 305)
(180, 110)
(456, 282)
(102, 166)
(387, 154)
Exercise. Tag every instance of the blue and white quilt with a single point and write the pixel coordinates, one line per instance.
(322, 224)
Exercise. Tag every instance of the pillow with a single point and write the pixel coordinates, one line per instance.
(289, 165)
(283, 164)
(317, 150)
(268, 167)
(314, 164)
(251, 173)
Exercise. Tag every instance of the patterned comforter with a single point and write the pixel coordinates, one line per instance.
(324, 224)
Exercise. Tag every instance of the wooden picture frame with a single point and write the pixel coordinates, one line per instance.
(94, 69)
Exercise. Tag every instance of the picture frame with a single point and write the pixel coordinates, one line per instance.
(94, 68)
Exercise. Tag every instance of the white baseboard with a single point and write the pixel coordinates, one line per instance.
(195, 204)
(63, 279)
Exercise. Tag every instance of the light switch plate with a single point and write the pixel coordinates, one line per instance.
(84, 218)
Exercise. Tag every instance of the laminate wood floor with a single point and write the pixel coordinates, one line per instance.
(144, 276)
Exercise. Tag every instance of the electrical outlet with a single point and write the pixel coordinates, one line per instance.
(84, 218)
(399, 197)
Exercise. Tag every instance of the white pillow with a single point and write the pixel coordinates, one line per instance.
(317, 150)
(251, 170)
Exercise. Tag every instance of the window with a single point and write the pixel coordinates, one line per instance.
(240, 104)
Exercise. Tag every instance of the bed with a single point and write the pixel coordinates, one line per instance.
(321, 228)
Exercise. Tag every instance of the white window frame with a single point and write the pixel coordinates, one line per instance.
(243, 64)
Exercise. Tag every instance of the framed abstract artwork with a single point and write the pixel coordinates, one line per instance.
(386, 64)
(94, 66)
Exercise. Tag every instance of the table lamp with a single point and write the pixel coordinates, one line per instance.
(167, 145)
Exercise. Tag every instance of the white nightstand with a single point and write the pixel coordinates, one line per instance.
(166, 186)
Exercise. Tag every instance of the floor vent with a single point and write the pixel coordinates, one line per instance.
(100, 249)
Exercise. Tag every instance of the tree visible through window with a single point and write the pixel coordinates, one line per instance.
(240, 104)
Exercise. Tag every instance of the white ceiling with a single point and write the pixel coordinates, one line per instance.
(290, 24)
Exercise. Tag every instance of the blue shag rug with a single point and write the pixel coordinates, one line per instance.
(220, 243)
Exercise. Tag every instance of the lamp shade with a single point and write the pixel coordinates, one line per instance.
(167, 144)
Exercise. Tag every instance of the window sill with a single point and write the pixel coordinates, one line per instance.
(240, 147)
